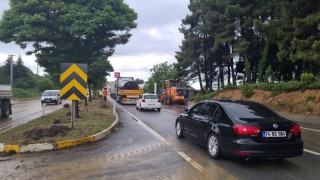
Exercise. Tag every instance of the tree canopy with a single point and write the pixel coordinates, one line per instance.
(74, 31)
(282, 37)
(160, 72)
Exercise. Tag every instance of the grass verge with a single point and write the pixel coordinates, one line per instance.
(94, 118)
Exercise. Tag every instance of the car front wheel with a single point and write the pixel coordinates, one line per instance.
(179, 130)
(213, 146)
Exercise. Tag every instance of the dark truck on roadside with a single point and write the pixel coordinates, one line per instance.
(5, 103)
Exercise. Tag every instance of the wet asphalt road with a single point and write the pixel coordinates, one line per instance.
(150, 150)
(25, 111)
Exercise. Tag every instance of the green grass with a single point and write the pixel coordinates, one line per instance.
(93, 119)
(274, 88)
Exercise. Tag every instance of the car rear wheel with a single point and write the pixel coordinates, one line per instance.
(159, 109)
(179, 130)
(213, 146)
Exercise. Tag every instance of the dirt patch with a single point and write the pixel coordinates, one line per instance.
(39, 133)
(302, 102)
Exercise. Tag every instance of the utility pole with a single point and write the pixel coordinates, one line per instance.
(11, 69)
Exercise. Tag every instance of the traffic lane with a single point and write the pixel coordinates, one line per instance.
(130, 152)
(311, 140)
(164, 123)
(25, 111)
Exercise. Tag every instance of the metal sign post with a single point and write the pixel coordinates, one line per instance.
(43, 110)
(73, 113)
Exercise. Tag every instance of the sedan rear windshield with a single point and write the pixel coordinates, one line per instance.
(150, 96)
(248, 110)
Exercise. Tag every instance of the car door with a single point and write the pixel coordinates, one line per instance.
(202, 124)
(193, 114)
(222, 127)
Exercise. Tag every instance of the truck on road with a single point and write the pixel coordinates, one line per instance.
(5, 103)
(125, 90)
(6, 94)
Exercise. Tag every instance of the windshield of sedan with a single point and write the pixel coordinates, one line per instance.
(248, 110)
(50, 93)
(150, 97)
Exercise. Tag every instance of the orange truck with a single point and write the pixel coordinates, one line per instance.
(171, 92)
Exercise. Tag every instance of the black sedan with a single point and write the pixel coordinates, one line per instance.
(240, 128)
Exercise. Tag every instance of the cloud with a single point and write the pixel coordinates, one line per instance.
(158, 12)
(159, 39)
(139, 65)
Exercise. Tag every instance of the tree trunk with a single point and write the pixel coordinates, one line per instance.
(90, 98)
(199, 76)
(232, 68)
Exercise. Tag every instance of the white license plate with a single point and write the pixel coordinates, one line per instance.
(150, 104)
(267, 134)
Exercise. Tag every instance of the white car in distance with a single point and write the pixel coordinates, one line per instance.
(148, 101)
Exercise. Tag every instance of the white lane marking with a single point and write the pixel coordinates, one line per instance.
(312, 152)
(146, 126)
(193, 162)
(310, 129)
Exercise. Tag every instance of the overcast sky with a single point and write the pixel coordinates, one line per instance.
(155, 40)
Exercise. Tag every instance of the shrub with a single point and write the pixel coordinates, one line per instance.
(286, 86)
(203, 96)
(314, 85)
(223, 98)
(45, 84)
(246, 91)
(310, 98)
(21, 93)
(307, 78)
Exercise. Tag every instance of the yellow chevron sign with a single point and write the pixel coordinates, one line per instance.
(73, 81)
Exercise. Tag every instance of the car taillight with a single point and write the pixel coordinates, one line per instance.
(143, 100)
(246, 130)
(158, 100)
(295, 129)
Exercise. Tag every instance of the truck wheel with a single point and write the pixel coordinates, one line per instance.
(0, 110)
(5, 110)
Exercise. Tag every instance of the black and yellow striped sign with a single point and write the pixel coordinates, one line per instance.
(73, 81)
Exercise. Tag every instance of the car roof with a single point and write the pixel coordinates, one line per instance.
(52, 90)
(231, 101)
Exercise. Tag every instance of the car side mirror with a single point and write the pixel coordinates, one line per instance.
(186, 111)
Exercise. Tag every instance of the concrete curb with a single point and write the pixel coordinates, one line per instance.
(11, 149)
